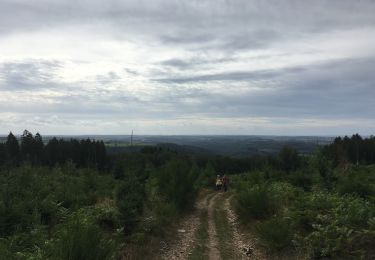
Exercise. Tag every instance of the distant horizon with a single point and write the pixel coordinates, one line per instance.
(202, 135)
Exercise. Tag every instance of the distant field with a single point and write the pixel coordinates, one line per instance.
(121, 144)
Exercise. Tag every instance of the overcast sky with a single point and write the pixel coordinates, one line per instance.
(187, 67)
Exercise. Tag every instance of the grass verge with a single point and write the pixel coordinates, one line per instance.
(200, 250)
(224, 231)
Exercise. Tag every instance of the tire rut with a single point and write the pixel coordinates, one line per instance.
(184, 242)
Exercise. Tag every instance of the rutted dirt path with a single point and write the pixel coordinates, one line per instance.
(182, 245)
(240, 245)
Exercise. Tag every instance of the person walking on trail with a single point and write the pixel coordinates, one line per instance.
(219, 182)
(225, 182)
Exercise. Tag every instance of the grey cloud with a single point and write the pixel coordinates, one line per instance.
(77, 104)
(231, 40)
(28, 75)
(251, 40)
(191, 63)
(188, 38)
(108, 78)
(131, 71)
(337, 89)
(201, 22)
(232, 76)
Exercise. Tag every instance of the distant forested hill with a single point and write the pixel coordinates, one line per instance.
(235, 146)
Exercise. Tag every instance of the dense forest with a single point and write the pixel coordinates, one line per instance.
(355, 150)
(32, 149)
(69, 199)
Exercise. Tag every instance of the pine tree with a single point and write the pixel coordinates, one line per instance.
(52, 151)
(12, 149)
(38, 149)
(27, 145)
(3, 154)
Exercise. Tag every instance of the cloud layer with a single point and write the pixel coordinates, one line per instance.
(187, 67)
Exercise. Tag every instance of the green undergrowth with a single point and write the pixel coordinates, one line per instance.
(71, 213)
(333, 218)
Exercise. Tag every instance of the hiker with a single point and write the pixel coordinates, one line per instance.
(219, 182)
(225, 182)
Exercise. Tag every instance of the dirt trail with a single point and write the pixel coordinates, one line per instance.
(245, 244)
(182, 246)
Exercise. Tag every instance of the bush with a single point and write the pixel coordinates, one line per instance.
(207, 177)
(168, 192)
(358, 181)
(332, 224)
(80, 238)
(34, 200)
(23, 245)
(257, 177)
(6, 254)
(301, 179)
(284, 194)
(263, 200)
(276, 233)
(176, 183)
(255, 202)
(129, 200)
(158, 212)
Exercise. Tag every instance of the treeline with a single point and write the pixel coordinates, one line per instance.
(32, 149)
(355, 150)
